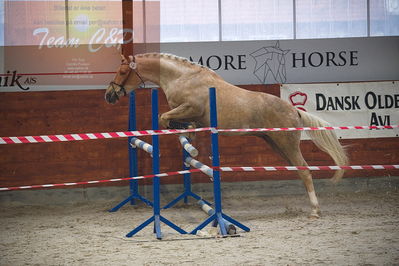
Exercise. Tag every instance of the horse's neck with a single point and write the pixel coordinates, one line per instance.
(161, 71)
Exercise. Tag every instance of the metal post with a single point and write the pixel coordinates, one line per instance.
(133, 170)
(155, 164)
(187, 177)
(217, 194)
(156, 218)
(133, 167)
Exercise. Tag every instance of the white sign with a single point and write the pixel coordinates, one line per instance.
(349, 104)
(296, 61)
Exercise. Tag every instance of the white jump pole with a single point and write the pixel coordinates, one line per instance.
(137, 143)
(202, 167)
(188, 147)
(230, 228)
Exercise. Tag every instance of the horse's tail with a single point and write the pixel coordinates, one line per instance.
(326, 140)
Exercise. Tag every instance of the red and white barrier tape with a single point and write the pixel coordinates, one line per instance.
(109, 135)
(99, 181)
(312, 168)
(306, 128)
(224, 169)
(87, 136)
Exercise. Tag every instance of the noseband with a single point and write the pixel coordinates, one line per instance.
(132, 66)
(122, 88)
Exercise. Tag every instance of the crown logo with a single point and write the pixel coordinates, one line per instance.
(298, 99)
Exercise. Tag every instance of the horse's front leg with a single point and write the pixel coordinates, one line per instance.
(183, 112)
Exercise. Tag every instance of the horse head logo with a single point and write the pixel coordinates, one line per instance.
(270, 64)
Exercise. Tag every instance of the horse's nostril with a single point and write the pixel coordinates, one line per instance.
(109, 98)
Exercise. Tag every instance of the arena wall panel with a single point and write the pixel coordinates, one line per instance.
(62, 112)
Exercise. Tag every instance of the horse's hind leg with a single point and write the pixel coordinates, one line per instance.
(307, 180)
(288, 147)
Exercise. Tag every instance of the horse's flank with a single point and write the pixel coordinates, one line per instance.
(187, 83)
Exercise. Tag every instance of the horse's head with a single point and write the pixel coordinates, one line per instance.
(123, 81)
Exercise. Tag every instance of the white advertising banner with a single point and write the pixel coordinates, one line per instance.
(296, 61)
(349, 104)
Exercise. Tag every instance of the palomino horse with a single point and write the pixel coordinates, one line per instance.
(186, 85)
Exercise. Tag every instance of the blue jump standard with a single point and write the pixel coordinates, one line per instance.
(218, 216)
(133, 167)
(156, 218)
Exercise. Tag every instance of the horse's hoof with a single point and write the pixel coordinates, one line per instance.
(314, 215)
(179, 125)
(164, 124)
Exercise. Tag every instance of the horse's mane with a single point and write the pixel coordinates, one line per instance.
(174, 57)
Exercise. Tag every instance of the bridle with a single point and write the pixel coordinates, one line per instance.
(132, 67)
